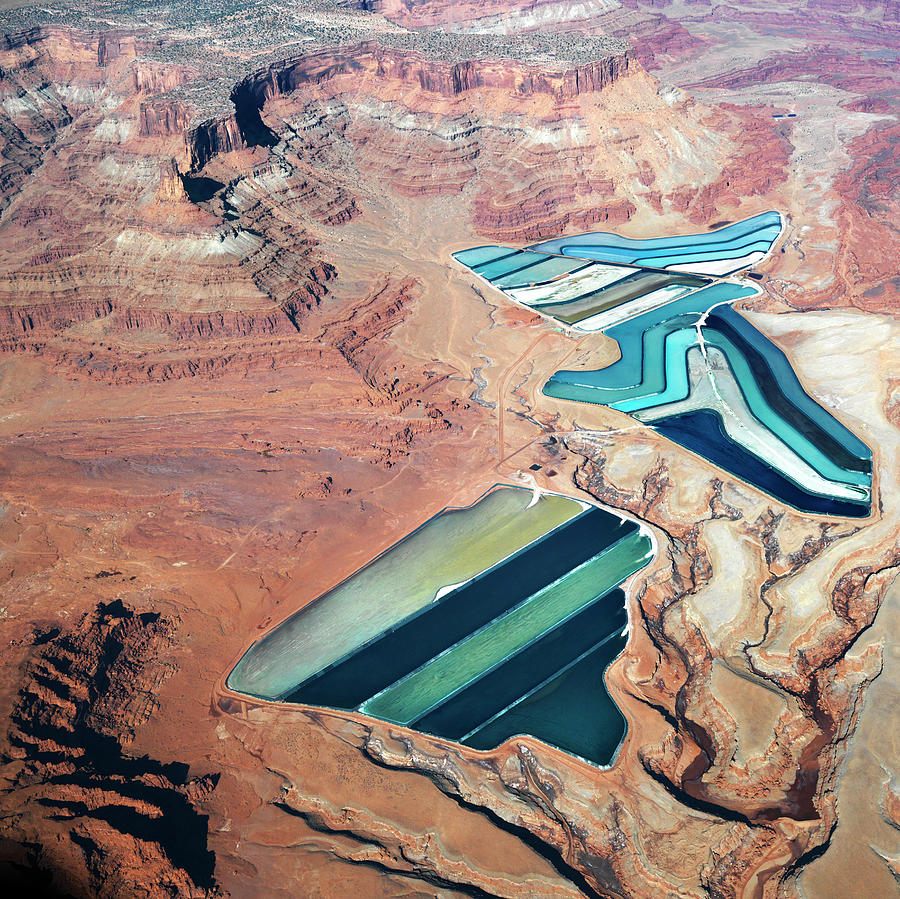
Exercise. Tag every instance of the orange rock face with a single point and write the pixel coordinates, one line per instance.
(237, 361)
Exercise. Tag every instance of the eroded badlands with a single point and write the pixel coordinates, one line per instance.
(238, 362)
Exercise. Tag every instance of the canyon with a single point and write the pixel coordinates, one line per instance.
(238, 360)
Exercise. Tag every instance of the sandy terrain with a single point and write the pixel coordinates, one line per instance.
(218, 398)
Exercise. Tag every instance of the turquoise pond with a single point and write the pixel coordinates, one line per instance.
(499, 619)
(717, 252)
(514, 649)
(574, 279)
(691, 367)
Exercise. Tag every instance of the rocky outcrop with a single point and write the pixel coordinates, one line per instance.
(524, 178)
(97, 820)
(115, 138)
(159, 78)
(869, 241)
(771, 151)
(163, 117)
(369, 60)
(209, 138)
(431, 74)
(701, 759)
(79, 53)
(395, 851)
(171, 187)
(522, 214)
(834, 66)
(175, 325)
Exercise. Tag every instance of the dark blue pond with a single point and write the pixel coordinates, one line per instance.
(702, 432)
(496, 707)
(572, 710)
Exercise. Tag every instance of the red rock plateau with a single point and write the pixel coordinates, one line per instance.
(237, 361)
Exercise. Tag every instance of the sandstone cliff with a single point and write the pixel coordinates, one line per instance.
(397, 67)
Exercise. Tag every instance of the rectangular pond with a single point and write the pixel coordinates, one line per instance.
(449, 549)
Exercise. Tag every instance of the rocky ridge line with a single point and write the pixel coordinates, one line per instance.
(369, 59)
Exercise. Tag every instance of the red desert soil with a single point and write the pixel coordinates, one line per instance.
(237, 361)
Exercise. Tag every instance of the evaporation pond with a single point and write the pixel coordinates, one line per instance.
(499, 616)
(449, 549)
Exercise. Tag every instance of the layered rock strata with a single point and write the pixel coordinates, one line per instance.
(210, 389)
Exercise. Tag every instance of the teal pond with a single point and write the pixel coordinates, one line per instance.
(691, 367)
(500, 618)
(517, 644)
